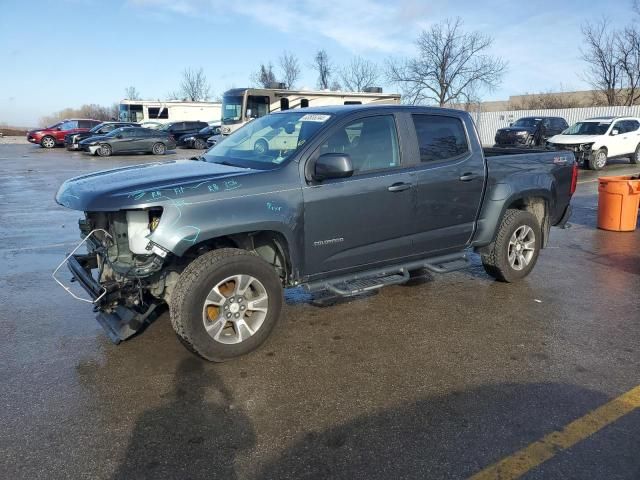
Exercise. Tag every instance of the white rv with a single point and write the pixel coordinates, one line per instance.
(168, 111)
(240, 105)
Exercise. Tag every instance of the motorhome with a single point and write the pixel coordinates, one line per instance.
(168, 111)
(241, 105)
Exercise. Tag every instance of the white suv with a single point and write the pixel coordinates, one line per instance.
(596, 140)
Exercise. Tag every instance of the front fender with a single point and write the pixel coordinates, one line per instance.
(184, 224)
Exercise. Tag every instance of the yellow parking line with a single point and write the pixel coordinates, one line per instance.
(548, 446)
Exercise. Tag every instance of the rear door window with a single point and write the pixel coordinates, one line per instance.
(440, 137)
(69, 125)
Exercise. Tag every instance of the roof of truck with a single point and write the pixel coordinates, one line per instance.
(344, 109)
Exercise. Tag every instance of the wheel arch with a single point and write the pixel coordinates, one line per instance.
(536, 201)
(271, 245)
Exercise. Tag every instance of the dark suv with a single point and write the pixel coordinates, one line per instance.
(178, 129)
(72, 140)
(530, 131)
(54, 135)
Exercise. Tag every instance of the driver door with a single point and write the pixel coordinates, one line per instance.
(616, 143)
(364, 219)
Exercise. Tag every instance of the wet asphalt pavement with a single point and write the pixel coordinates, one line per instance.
(435, 380)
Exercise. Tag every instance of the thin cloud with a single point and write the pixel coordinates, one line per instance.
(358, 26)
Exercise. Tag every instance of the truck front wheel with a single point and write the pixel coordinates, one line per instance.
(225, 304)
(515, 250)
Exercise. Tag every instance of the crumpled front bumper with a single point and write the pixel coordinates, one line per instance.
(119, 322)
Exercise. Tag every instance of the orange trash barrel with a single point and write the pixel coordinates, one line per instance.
(618, 202)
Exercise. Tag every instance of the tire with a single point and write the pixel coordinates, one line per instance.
(206, 328)
(159, 149)
(261, 146)
(47, 141)
(507, 262)
(200, 144)
(104, 150)
(635, 158)
(599, 159)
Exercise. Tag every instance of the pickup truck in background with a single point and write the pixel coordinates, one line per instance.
(344, 199)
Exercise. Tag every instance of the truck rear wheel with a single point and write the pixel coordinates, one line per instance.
(226, 303)
(515, 250)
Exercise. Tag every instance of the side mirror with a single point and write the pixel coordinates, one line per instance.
(615, 132)
(332, 165)
(119, 136)
(59, 129)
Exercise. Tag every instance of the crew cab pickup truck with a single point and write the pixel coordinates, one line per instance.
(352, 199)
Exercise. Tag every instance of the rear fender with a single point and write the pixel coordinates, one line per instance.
(500, 199)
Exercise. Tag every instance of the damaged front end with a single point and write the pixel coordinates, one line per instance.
(123, 272)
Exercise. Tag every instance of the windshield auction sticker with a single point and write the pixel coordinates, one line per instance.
(315, 117)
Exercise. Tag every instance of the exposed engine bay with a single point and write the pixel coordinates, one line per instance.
(123, 271)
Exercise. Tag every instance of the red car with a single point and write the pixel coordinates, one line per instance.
(54, 135)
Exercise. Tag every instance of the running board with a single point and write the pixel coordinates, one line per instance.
(362, 282)
(357, 286)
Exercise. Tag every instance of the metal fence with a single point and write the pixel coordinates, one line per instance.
(488, 122)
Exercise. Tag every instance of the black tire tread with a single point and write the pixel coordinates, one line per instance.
(187, 278)
(492, 260)
(592, 162)
(634, 158)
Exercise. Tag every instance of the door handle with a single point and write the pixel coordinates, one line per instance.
(399, 187)
(467, 177)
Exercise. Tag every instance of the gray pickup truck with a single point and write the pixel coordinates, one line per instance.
(341, 199)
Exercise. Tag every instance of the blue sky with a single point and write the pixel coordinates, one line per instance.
(63, 53)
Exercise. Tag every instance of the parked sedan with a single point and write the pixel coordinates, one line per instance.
(72, 140)
(130, 140)
(198, 140)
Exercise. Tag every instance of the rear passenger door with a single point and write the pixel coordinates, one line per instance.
(450, 180)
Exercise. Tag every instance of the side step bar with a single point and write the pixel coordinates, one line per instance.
(361, 282)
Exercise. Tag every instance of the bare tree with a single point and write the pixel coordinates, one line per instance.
(290, 69)
(451, 66)
(132, 93)
(324, 68)
(93, 111)
(604, 71)
(264, 77)
(545, 101)
(335, 86)
(194, 86)
(628, 52)
(359, 74)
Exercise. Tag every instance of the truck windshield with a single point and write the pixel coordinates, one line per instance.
(267, 141)
(231, 109)
(588, 128)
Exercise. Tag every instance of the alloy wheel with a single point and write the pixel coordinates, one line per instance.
(235, 309)
(521, 247)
